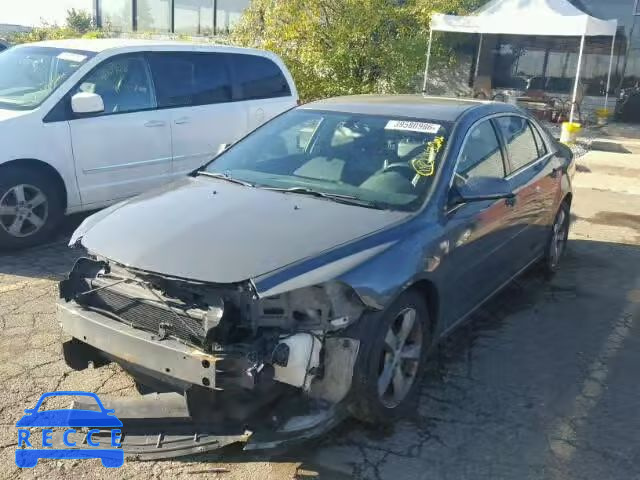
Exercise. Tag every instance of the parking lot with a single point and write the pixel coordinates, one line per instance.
(541, 384)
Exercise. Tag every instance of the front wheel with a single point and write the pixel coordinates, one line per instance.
(393, 348)
(557, 242)
(30, 207)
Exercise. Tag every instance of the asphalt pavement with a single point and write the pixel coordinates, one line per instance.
(541, 384)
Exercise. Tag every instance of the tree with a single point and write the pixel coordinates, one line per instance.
(78, 24)
(336, 47)
(79, 21)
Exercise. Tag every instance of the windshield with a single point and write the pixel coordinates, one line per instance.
(28, 75)
(389, 162)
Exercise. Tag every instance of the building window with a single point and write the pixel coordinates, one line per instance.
(153, 15)
(549, 63)
(194, 17)
(189, 17)
(116, 15)
(228, 13)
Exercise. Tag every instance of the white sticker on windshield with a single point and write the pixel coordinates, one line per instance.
(410, 126)
(72, 57)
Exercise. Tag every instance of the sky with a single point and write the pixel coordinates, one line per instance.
(33, 12)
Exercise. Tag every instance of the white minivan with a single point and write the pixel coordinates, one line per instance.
(86, 123)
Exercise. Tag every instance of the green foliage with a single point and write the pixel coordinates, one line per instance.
(79, 23)
(338, 47)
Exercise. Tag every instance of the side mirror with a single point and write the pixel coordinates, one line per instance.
(85, 102)
(223, 147)
(479, 189)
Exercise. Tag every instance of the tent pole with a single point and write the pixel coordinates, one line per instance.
(577, 82)
(426, 67)
(475, 74)
(606, 95)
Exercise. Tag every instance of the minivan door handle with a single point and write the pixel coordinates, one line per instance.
(155, 123)
(182, 120)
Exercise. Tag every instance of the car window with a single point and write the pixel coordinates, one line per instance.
(28, 75)
(188, 78)
(123, 83)
(385, 160)
(481, 155)
(519, 139)
(542, 148)
(259, 77)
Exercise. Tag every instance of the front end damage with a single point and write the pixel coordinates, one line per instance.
(226, 366)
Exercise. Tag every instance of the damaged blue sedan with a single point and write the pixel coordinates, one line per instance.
(304, 274)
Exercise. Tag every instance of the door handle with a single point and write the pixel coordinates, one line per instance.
(155, 123)
(182, 120)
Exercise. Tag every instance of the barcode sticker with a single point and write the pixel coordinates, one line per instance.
(72, 57)
(411, 126)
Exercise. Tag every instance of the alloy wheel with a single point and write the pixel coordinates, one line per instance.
(558, 238)
(24, 210)
(400, 360)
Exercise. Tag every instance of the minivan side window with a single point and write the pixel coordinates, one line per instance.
(519, 140)
(184, 79)
(123, 83)
(481, 155)
(259, 77)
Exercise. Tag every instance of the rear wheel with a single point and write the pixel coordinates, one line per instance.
(30, 207)
(557, 243)
(391, 360)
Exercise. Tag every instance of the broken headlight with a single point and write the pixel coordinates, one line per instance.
(327, 306)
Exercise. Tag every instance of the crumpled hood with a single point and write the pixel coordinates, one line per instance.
(214, 231)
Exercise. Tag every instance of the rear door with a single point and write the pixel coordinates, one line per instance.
(194, 88)
(261, 87)
(529, 176)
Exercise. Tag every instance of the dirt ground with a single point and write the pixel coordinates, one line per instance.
(542, 384)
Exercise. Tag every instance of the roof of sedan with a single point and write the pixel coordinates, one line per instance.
(418, 106)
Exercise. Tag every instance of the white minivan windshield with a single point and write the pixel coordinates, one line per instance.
(28, 75)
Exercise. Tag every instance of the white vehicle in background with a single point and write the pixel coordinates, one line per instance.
(86, 123)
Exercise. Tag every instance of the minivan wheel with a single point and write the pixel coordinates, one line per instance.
(30, 207)
(557, 242)
(393, 348)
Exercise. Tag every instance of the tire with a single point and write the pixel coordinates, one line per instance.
(557, 241)
(24, 224)
(374, 398)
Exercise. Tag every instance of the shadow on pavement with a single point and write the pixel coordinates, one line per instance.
(50, 260)
(510, 394)
(541, 383)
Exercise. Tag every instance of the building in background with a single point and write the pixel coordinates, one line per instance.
(189, 17)
(549, 64)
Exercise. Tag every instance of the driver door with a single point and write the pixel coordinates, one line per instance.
(476, 235)
(126, 149)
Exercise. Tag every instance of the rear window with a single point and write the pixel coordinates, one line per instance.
(259, 77)
(187, 79)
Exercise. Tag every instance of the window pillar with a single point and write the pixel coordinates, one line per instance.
(134, 15)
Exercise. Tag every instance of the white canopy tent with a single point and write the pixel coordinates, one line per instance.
(528, 17)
